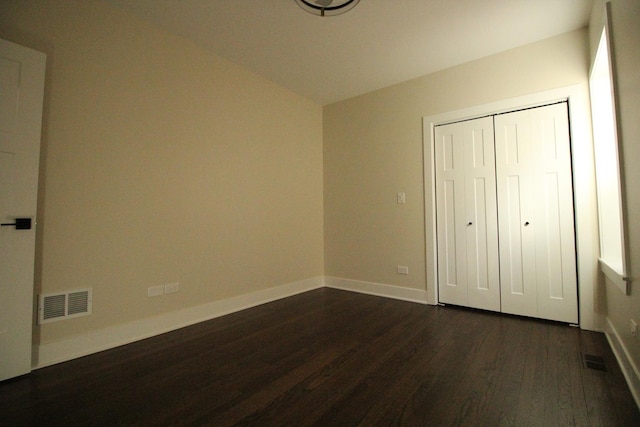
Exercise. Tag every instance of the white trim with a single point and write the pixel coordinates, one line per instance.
(629, 369)
(114, 336)
(587, 243)
(431, 249)
(615, 277)
(378, 289)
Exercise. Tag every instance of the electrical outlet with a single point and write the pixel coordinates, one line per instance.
(155, 291)
(401, 198)
(170, 288)
(403, 270)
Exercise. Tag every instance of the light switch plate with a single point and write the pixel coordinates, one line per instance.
(403, 270)
(155, 291)
(170, 288)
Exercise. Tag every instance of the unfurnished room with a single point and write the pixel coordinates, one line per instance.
(319, 212)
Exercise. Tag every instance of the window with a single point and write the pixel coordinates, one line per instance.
(607, 155)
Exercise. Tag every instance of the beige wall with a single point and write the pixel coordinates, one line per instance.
(163, 163)
(373, 149)
(625, 15)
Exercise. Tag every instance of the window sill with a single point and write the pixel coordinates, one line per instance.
(615, 276)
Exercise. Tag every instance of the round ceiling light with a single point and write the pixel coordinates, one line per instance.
(327, 7)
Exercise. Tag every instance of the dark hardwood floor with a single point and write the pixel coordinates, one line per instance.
(335, 358)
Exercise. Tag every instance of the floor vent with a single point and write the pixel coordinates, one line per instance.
(594, 362)
(64, 305)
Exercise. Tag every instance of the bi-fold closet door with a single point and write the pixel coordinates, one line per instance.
(467, 216)
(505, 223)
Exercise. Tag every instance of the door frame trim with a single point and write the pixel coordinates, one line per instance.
(586, 227)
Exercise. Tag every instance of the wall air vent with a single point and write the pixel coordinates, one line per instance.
(64, 305)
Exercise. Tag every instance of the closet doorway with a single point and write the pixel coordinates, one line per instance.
(505, 213)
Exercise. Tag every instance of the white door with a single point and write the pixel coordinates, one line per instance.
(21, 94)
(468, 271)
(515, 184)
(536, 217)
(483, 271)
(450, 220)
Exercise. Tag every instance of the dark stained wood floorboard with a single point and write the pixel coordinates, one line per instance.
(335, 358)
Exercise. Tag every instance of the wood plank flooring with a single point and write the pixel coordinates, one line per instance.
(335, 358)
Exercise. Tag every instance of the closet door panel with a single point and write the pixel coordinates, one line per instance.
(481, 215)
(515, 186)
(533, 172)
(555, 250)
(451, 236)
(468, 271)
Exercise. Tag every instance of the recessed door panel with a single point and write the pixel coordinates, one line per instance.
(477, 236)
(10, 89)
(511, 238)
(510, 149)
(550, 270)
(449, 235)
(447, 152)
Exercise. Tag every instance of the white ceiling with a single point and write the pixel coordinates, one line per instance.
(377, 44)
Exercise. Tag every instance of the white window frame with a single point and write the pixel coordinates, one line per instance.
(608, 162)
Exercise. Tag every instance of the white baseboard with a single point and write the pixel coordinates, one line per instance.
(114, 336)
(378, 289)
(627, 365)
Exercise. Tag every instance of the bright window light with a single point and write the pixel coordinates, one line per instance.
(610, 211)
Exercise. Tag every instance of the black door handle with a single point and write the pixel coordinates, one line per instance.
(20, 224)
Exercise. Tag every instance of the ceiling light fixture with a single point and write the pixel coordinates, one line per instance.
(327, 7)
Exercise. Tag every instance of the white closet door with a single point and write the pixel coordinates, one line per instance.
(483, 272)
(514, 155)
(537, 246)
(467, 215)
(450, 216)
(555, 239)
